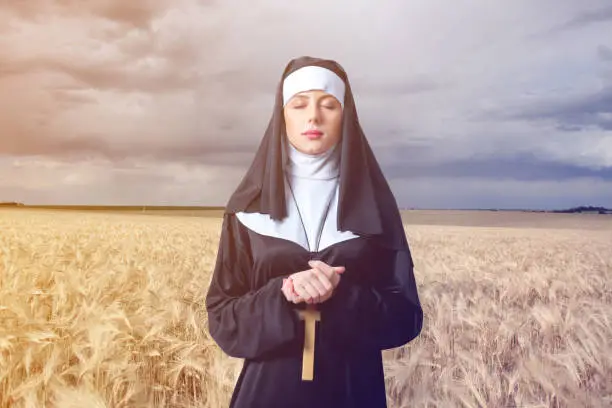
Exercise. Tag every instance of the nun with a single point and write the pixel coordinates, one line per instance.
(314, 276)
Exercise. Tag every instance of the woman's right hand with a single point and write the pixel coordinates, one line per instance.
(315, 285)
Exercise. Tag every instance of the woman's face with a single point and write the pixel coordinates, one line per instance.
(313, 121)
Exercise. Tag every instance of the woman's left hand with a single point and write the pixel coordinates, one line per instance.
(330, 273)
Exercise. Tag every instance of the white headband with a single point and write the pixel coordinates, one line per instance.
(310, 78)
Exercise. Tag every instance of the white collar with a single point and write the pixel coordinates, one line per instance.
(323, 166)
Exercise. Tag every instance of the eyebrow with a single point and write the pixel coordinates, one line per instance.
(324, 97)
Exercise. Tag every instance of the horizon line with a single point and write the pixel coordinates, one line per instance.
(220, 207)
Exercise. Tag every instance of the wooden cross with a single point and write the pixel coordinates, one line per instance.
(310, 316)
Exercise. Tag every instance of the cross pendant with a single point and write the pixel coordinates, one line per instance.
(310, 316)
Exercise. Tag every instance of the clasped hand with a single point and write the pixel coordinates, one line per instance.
(315, 285)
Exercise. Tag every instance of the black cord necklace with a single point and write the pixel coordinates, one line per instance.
(320, 232)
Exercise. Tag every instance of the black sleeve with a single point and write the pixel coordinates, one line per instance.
(384, 315)
(245, 323)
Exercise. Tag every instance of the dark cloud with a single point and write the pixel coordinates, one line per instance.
(228, 153)
(521, 167)
(465, 193)
(146, 61)
(600, 15)
(69, 97)
(570, 113)
(417, 154)
(137, 13)
(25, 143)
(133, 13)
(113, 76)
(423, 160)
(604, 53)
(594, 110)
(582, 14)
(171, 75)
(95, 145)
(9, 68)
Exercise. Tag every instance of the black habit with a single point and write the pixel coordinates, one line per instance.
(375, 306)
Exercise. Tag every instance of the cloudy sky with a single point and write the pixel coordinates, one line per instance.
(467, 104)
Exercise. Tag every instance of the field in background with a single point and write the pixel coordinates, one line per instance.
(107, 310)
(468, 218)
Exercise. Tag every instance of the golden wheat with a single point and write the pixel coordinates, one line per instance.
(107, 310)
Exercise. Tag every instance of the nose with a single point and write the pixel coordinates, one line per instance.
(314, 115)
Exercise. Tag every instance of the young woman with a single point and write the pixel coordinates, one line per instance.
(314, 275)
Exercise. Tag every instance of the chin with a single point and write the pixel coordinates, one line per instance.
(312, 146)
(315, 148)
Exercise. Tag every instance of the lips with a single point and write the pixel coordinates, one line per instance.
(313, 134)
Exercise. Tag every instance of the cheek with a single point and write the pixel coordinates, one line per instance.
(297, 127)
(336, 125)
(291, 124)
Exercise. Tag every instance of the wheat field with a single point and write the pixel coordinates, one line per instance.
(107, 310)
